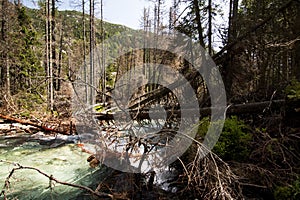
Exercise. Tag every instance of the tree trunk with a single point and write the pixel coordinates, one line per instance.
(256, 107)
(84, 51)
(60, 55)
(92, 43)
(210, 27)
(199, 24)
(102, 56)
(232, 36)
(49, 69)
(56, 84)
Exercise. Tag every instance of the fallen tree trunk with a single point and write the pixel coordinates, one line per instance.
(257, 107)
(39, 126)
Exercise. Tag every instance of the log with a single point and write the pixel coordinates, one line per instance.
(29, 123)
(257, 107)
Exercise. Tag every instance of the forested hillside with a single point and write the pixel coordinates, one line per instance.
(24, 74)
(144, 94)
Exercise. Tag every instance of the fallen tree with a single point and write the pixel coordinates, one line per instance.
(39, 126)
(257, 107)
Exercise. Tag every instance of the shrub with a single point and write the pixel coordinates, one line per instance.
(291, 192)
(234, 140)
(293, 90)
(28, 101)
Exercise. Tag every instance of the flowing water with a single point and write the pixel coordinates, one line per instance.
(65, 162)
(58, 156)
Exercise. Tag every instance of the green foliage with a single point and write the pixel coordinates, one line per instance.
(73, 20)
(234, 140)
(28, 101)
(293, 90)
(29, 64)
(23, 18)
(25, 43)
(291, 192)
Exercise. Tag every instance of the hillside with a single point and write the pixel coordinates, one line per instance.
(24, 45)
(72, 21)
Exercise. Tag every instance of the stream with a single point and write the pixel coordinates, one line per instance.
(59, 156)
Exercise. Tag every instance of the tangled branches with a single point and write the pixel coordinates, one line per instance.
(210, 177)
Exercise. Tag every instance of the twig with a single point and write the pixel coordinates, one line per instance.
(185, 169)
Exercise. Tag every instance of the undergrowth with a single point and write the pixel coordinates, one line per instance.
(234, 141)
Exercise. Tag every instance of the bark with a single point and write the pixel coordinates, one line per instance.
(3, 19)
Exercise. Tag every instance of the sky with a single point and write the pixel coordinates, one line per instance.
(125, 12)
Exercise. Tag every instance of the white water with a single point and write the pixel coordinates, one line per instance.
(66, 163)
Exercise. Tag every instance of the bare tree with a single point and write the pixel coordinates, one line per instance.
(48, 49)
(199, 23)
(84, 48)
(210, 27)
(232, 36)
(92, 45)
(102, 55)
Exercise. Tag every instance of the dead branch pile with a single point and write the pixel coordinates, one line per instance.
(210, 177)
